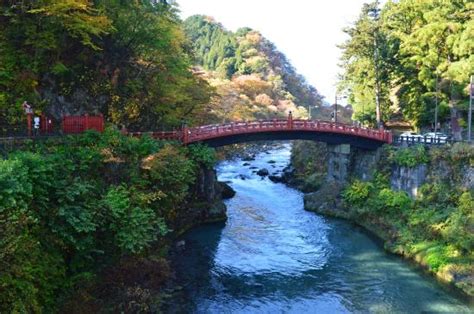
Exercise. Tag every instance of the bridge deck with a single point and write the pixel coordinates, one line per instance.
(282, 127)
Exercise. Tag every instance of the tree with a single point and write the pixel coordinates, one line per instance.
(366, 62)
(419, 45)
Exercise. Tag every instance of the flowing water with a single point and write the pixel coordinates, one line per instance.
(272, 256)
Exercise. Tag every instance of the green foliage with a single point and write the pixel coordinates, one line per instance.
(129, 60)
(462, 153)
(436, 227)
(29, 272)
(202, 155)
(435, 254)
(376, 198)
(394, 202)
(401, 49)
(460, 223)
(410, 156)
(252, 79)
(134, 227)
(68, 209)
(357, 193)
(170, 170)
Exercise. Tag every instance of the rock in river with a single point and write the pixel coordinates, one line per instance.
(263, 172)
(227, 191)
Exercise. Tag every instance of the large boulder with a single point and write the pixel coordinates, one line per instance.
(276, 179)
(263, 172)
(227, 191)
(327, 200)
(249, 158)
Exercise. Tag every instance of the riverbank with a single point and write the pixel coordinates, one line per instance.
(432, 228)
(86, 223)
(272, 256)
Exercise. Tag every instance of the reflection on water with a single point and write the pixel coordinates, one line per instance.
(271, 256)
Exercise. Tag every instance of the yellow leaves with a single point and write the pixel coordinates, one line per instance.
(132, 109)
(254, 37)
(78, 17)
(252, 85)
(264, 100)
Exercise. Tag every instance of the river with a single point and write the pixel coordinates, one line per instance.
(272, 256)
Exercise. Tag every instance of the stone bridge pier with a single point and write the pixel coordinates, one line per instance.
(339, 161)
(345, 161)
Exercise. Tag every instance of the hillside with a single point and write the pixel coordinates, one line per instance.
(126, 60)
(251, 77)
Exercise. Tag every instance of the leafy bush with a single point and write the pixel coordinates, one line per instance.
(134, 227)
(460, 224)
(202, 155)
(435, 254)
(394, 202)
(62, 217)
(463, 152)
(410, 156)
(357, 193)
(169, 170)
(29, 272)
(439, 195)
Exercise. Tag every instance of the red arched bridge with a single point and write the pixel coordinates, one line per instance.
(288, 129)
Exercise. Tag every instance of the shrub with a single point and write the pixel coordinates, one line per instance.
(30, 274)
(460, 224)
(134, 227)
(463, 152)
(357, 193)
(169, 170)
(61, 218)
(410, 156)
(394, 202)
(202, 155)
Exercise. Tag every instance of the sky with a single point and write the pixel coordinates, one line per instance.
(306, 31)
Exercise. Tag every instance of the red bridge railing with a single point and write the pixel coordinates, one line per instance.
(206, 132)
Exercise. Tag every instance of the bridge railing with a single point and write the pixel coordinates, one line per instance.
(163, 135)
(424, 140)
(216, 130)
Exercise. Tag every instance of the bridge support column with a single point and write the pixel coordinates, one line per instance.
(339, 160)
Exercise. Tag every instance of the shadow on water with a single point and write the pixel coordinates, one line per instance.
(274, 257)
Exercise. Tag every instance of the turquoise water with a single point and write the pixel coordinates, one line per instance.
(272, 256)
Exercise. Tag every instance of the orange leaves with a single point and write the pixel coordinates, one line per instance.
(252, 85)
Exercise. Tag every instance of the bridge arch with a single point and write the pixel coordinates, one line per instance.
(283, 129)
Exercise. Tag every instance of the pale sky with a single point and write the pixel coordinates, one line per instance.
(306, 31)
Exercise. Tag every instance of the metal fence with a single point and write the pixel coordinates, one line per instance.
(418, 140)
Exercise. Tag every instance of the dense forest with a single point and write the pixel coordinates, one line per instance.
(252, 78)
(410, 55)
(140, 66)
(129, 60)
(70, 209)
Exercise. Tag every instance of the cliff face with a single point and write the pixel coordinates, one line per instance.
(408, 179)
(205, 203)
